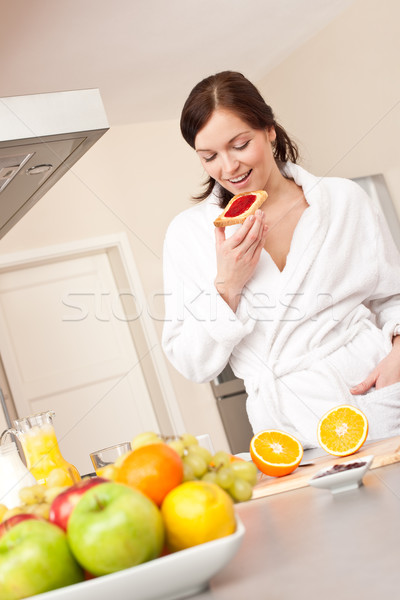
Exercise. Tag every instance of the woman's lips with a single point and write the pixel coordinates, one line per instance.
(240, 179)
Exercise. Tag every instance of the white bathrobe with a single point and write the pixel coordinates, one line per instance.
(302, 337)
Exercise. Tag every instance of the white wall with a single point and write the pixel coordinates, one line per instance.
(339, 95)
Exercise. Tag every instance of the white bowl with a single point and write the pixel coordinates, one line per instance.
(342, 481)
(170, 577)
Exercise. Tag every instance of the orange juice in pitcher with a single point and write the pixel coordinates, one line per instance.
(42, 453)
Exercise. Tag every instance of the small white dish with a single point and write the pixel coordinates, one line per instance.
(350, 478)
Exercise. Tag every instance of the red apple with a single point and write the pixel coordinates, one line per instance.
(63, 504)
(88, 575)
(14, 520)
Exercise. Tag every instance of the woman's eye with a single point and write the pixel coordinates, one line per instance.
(209, 158)
(243, 146)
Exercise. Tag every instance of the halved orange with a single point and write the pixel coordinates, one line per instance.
(342, 430)
(275, 453)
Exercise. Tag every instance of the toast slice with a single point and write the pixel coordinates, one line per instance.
(240, 207)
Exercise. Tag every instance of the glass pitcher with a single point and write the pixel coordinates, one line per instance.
(42, 453)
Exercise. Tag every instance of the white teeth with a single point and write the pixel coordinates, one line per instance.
(240, 178)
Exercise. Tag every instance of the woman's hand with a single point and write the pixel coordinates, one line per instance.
(386, 373)
(238, 256)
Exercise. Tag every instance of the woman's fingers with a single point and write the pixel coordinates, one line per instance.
(256, 237)
(237, 257)
(256, 249)
(251, 224)
(365, 385)
(219, 235)
(249, 233)
(241, 251)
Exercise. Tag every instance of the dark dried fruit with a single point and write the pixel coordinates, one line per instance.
(341, 468)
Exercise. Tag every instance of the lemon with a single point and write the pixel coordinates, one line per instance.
(196, 512)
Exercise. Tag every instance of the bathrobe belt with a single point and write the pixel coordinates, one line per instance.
(264, 379)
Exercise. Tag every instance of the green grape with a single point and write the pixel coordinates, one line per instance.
(200, 451)
(145, 438)
(225, 477)
(241, 490)
(210, 476)
(108, 472)
(189, 440)
(17, 510)
(32, 494)
(188, 474)
(245, 470)
(40, 510)
(118, 461)
(197, 463)
(221, 458)
(51, 493)
(58, 477)
(178, 446)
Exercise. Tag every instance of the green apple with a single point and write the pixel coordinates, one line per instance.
(114, 527)
(35, 558)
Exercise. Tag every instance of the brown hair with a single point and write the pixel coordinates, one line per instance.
(231, 90)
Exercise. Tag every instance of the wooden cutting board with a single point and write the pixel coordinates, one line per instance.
(386, 452)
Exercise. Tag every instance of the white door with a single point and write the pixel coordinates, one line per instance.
(66, 345)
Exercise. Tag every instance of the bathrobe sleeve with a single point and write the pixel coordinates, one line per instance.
(384, 300)
(200, 330)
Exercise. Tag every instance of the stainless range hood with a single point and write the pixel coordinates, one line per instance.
(41, 137)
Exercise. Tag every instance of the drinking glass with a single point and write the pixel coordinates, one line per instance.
(108, 456)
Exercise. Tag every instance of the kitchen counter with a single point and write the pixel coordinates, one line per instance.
(310, 544)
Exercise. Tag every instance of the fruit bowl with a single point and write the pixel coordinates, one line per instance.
(170, 577)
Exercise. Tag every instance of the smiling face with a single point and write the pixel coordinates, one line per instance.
(239, 157)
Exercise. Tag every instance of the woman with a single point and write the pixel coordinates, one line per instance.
(302, 299)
